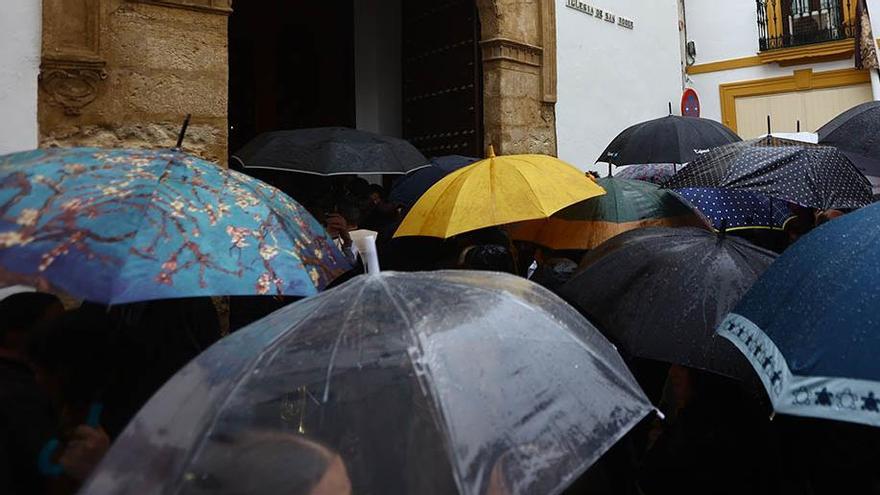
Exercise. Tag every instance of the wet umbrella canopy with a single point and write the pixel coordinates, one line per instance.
(124, 225)
(810, 325)
(626, 205)
(659, 293)
(330, 151)
(420, 383)
(407, 190)
(856, 132)
(656, 173)
(670, 139)
(737, 209)
(806, 174)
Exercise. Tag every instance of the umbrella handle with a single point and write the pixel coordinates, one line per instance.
(52, 469)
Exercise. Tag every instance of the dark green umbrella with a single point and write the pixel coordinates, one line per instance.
(627, 204)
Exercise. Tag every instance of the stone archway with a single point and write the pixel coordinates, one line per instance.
(519, 75)
(122, 73)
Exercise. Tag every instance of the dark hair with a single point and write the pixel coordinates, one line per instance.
(358, 187)
(24, 310)
(489, 235)
(257, 462)
(76, 347)
(487, 257)
(378, 189)
(350, 211)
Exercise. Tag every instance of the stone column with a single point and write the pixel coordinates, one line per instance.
(519, 75)
(126, 72)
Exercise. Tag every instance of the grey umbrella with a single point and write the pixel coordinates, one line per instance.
(856, 132)
(442, 382)
(659, 293)
(330, 151)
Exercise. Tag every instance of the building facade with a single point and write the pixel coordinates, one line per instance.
(791, 60)
(125, 72)
(619, 63)
(19, 69)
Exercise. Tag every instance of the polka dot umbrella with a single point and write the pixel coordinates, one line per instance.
(806, 174)
(735, 209)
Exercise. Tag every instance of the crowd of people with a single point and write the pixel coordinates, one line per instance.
(71, 379)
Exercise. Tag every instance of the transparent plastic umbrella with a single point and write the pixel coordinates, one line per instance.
(442, 382)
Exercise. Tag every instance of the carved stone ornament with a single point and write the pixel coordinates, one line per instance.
(71, 85)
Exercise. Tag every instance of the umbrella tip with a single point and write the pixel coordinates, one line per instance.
(182, 132)
(491, 152)
(670, 108)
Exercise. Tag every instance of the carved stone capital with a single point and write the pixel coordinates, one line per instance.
(511, 50)
(70, 84)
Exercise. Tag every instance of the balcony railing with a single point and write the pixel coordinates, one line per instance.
(788, 23)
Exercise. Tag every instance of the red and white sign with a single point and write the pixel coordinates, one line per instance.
(690, 103)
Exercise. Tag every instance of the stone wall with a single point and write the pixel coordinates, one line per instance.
(519, 75)
(125, 73)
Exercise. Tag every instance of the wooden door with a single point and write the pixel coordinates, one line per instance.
(442, 77)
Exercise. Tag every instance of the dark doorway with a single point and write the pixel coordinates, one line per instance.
(291, 66)
(442, 77)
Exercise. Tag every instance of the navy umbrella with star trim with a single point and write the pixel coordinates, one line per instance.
(736, 209)
(809, 326)
(806, 174)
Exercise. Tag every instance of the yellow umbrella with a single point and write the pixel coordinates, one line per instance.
(497, 191)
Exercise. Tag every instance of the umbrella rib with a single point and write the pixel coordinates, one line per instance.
(336, 345)
(115, 280)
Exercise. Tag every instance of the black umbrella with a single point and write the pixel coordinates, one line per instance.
(407, 190)
(670, 139)
(806, 174)
(441, 382)
(856, 132)
(659, 293)
(330, 151)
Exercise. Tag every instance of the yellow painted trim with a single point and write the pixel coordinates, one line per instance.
(802, 54)
(774, 29)
(820, 52)
(849, 14)
(800, 80)
(729, 64)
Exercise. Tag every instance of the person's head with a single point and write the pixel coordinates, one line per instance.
(358, 188)
(20, 313)
(554, 272)
(377, 194)
(487, 257)
(351, 212)
(801, 222)
(71, 354)
(823, 216)
(267, 462)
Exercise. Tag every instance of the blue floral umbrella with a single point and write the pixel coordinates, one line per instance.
(119, 226)
(738, 209)
(809, 326)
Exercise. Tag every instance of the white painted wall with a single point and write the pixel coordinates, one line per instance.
(728, 29)
(610, 77)
(710, 97)
(377, 34)
(20, 35)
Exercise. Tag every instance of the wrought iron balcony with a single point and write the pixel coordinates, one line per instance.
(788, 23)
